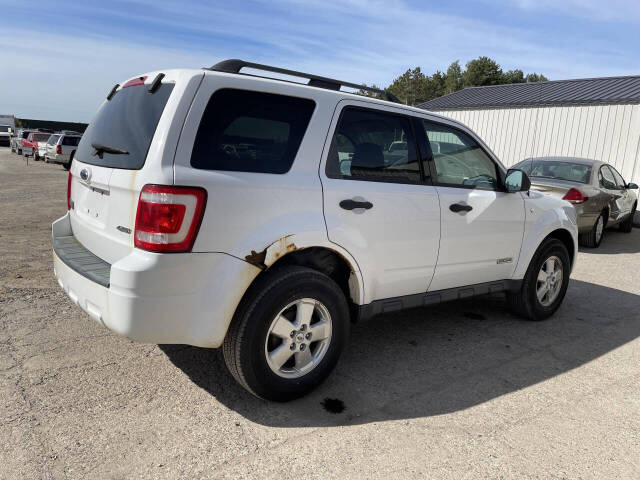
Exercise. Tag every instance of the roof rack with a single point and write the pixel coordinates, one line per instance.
(234, 66)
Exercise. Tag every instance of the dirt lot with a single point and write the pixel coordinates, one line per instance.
(459, 391)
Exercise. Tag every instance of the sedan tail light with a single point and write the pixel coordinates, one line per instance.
(575, 196)
(168, 218)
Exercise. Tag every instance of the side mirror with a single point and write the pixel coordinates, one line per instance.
(632, 186)
(517, 181)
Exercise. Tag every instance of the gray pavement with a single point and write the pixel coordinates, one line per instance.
(462, 390)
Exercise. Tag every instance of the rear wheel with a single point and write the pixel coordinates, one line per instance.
(627, 225)
(545, 283)
(287, 334)
(593, 238)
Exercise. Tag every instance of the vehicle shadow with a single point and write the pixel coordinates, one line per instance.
(438, 360)
(615, 242)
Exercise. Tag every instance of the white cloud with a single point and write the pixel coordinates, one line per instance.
(66, 76)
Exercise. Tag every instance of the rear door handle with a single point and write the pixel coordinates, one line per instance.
(350, 204)
(459, 207)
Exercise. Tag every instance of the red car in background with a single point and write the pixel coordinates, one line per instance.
(35, 144)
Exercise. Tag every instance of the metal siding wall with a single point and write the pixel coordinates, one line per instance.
(604, 132)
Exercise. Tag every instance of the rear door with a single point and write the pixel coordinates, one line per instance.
(377, 204)
(130, 142)
(482, 225)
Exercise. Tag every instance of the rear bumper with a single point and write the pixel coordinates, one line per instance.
(185, 298)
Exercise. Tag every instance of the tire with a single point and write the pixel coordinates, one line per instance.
(525, 303)
(627, 225)
(593, 238)
(19, 152)
(249, 339)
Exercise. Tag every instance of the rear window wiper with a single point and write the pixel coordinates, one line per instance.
(102, 149)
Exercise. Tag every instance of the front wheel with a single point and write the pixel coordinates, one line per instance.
(287, 334)
(627, 225)
(545, 283)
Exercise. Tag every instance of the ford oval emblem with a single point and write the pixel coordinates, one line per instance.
(85, 174)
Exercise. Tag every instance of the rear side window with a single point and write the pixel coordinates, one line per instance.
(247, 131)
(71, 141)
(374, 146)
(125, 123)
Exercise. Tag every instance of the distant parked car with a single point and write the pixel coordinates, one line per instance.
(601, 197)
(61, 148)
(20, 137)
(5, 134)
(35, 144)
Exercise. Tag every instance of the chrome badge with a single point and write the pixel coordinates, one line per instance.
(85, 174)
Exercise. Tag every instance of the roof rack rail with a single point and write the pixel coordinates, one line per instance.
(234, 65)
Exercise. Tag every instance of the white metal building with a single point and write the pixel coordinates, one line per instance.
(595, 118)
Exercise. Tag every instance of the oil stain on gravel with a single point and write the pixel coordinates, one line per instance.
(333, 405)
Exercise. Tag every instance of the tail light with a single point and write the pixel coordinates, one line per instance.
(168, 218)
(69, 191)
(575, 196)
(59, 149)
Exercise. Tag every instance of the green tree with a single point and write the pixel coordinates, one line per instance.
(453, 79)
(513, 76)
(409, 87)
(535, 77)
(482, 71)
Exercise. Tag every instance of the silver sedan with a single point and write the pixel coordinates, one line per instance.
(601, 197)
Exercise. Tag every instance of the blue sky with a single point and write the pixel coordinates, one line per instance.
(60, 58)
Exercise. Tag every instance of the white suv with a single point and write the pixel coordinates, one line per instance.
(220, 209)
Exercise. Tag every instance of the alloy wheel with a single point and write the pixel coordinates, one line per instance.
(298, 338)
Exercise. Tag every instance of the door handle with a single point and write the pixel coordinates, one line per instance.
(459, 207)
(350, 204)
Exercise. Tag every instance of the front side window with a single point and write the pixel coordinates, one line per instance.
(246, 131)
(607, 180)
(374, 146)
(619, 180)
(459, 160)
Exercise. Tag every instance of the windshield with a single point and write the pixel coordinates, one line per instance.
(4, 128)
(41, 137)
(126, 123)
(558, 170)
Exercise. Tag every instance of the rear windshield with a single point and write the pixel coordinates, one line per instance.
(53, 139)
(569, 171)
(71, 141)
(41, 137)
(127, 122)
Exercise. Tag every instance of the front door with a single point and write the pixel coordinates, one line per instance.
(378, 204)
(481, 224)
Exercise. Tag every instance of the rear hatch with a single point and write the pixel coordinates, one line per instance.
(127, 145)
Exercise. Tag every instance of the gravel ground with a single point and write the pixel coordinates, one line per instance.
(458, 391)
